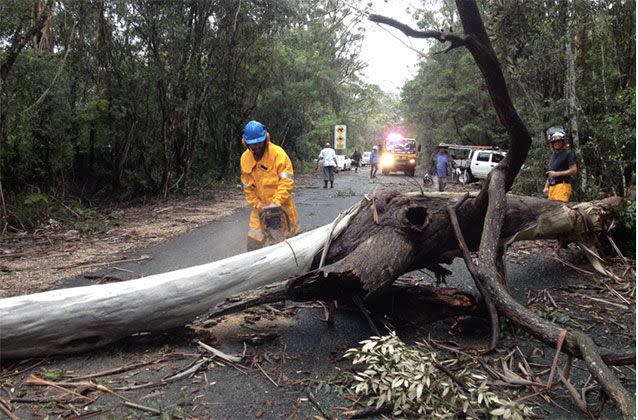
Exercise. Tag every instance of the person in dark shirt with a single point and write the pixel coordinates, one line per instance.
(356, 160)
(562, 165)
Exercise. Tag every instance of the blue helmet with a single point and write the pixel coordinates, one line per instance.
(254, 132)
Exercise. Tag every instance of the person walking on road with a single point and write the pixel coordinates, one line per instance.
(562, 165)
(268, 180)
(374, 161)
(356, 160)
(441, 165)
(328, 159)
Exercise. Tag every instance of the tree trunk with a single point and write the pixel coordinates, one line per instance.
(376, 241)
(572, 111)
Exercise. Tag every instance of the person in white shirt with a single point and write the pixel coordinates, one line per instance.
(328, 159)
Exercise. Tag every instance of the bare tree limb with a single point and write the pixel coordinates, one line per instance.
(441, 36)
(491, 309)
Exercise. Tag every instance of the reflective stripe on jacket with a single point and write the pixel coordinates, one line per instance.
(269, 181)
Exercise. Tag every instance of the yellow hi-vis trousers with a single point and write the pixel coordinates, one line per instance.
(560, 192)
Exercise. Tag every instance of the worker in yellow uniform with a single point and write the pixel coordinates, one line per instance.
(268, 180)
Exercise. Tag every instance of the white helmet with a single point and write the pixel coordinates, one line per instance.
(556, 133)
(375, 148)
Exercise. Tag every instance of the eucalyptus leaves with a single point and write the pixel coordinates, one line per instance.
(409, 380)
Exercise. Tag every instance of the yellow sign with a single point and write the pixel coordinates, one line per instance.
(340, 134)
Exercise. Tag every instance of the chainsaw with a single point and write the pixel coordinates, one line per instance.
(276, 223)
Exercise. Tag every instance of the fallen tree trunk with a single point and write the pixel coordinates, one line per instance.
(364, 259)
(83, 318)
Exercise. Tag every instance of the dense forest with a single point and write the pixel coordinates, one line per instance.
(567, 62)
(116, 100)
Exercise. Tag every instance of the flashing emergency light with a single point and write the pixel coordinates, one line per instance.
(394, 136)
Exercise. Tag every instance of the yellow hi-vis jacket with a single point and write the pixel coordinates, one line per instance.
(269, 181)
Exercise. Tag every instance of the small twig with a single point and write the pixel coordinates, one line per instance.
(225, 357)
(89, 264)
(559, 346)
(369, 412)
(551, 299)
(540, 393)
(460, 382)
(36, 380)
(142, 407)
(357, 301)
(124, 270)
(13, 370)
(5, 409)
(618, 305)
(570, 265)
(314, 402)
(117, 370)
(188, 372)
(615, 293)
(568, 366)
(582, 405)
(266, 375)
(620, 254)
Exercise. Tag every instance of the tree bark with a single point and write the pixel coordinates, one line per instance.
(407, 300)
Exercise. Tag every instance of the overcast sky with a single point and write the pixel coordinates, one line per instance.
(390, 62)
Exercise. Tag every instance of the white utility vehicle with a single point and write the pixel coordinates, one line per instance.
(474, 162)
(365, 158)
(344, 163)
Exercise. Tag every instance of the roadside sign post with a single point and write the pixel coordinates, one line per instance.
(340, 137)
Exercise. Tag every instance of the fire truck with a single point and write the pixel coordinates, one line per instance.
(399, 153)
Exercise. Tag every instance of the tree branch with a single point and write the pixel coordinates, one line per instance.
(491, 309)
(57, 73)
(456, 39)
(20, 40)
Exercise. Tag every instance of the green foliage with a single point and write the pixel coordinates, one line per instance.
(152, 99)
(628, 215)
(32, 210)
(447, 103)
(344, 193)
(408, 380)
(54, 375)
(510, 329)
(28, 210)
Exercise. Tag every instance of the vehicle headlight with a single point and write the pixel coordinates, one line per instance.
(412, 160)
(387, 160)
